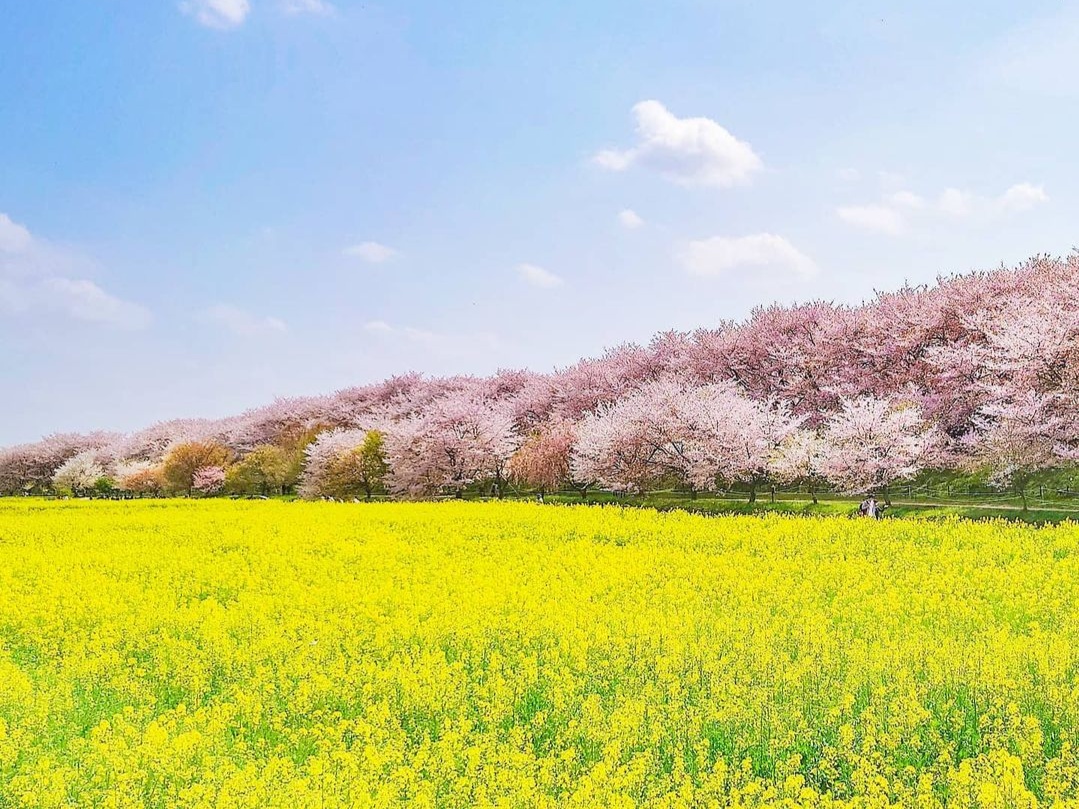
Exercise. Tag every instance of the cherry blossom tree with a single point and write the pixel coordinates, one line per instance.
(208, 480)
(873, 443)
(320, 457)
(637, 441)
(612, 451)
(543, 459)
(700, 435)
(732, 438)
(154, 443)
(1017, 437)
(78, 474)
(29, 468)
(459, 440)
(798, 459)
(788, 354)
(284, 423)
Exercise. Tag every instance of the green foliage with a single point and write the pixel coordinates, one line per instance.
(358, 472)
(104, 486)
(294, 446)
(184, 460)
(263, 471)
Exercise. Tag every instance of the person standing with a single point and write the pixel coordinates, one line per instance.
(869, 508)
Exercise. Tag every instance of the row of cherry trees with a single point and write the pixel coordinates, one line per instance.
(978, 372)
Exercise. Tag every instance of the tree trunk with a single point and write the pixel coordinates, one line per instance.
(813, 493)
(753, 492)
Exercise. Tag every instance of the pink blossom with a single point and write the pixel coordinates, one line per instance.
(208, 480)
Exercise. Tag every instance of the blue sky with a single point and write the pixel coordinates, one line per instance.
(207, 204)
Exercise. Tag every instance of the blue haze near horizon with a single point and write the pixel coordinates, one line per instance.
(207, 205)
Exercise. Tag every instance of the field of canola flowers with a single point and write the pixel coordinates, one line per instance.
(229, 654)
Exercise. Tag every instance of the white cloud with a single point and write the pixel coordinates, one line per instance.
(436, 343)
(849, 175)
(14, 238)
(629, 219)
(85, 300)
(539, 277)
(953, 202)
(688, 151)
(220, 14)
(378, 327)
(243, 323)
(1021, 197)
(718, 256)
(877, 218)
(36, 276)
(907, 199)
(371, 252)
(319, 7)
(899, 209)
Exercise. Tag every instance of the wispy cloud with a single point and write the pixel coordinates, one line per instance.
(14, 238)
(241, 322)
(219, 14)
(84, 300)
(317, 7)
(900, 210)
(442, 344)
(688, 151)
(877, 218)
(35, 277)
(630, 219)
(722, 256)
(371, 252)
(538, 276)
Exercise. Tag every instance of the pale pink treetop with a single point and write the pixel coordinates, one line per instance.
(457, 441)
(208, 479)
(872, 443)
(799, 457)
(78, 473)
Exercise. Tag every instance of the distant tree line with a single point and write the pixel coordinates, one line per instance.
(979, 373)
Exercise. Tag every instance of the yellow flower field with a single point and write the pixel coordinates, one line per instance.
(260, 654)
